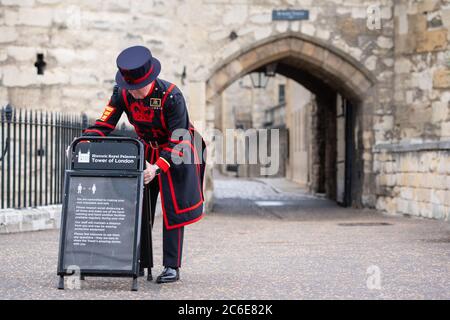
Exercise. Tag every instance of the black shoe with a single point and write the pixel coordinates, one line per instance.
(141, 272)
(168, 275)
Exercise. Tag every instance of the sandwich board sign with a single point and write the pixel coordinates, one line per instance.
(102, 205)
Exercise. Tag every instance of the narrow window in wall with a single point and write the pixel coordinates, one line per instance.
(40, 63)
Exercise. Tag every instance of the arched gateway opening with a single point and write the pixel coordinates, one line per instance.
(343, 90)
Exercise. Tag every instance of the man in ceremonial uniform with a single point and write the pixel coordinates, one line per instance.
(175, 152)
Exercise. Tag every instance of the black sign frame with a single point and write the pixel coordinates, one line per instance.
(138, 175)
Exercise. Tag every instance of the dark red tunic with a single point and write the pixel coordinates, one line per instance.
(162, 123)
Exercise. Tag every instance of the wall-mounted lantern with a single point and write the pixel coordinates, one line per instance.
(261, 78)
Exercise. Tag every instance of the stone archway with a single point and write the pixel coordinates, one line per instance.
(319, 67)
(336, 68)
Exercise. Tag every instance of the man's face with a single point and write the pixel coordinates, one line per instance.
(141, 93)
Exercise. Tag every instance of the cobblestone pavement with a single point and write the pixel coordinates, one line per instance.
(266, 239)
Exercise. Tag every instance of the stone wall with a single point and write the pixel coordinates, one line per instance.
(414, 170)
(397, 74)
(30, 219)
(80, 41)
(415, 183)
(422, 74)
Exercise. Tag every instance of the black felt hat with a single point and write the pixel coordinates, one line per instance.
(137, 68)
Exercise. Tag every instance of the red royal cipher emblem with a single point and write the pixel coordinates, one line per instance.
(141, 112)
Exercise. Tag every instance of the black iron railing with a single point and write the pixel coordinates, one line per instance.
(33, 155)
(33, 159)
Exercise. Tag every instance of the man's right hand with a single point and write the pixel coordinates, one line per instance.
(149, 172)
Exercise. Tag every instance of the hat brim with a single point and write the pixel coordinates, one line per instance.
(155, 73)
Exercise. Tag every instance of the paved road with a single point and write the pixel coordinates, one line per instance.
(264, 241)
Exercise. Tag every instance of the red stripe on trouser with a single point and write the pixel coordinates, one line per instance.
(172, 247)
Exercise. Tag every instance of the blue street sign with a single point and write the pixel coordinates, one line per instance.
(290, 15)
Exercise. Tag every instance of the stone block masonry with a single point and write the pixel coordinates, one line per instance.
(414, 183)
(399, 72)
